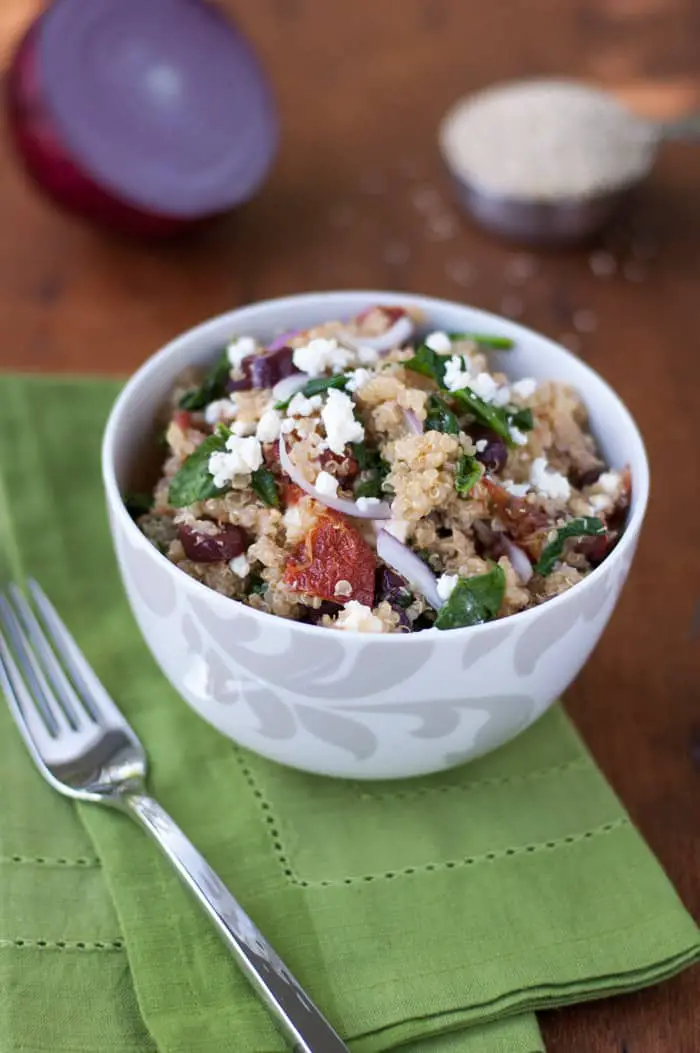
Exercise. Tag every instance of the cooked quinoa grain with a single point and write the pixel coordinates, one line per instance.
(362, 478)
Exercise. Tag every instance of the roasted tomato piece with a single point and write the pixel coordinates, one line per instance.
(291, 493)
(183, 419)
(525, 523)
(332, 551)
(392, 314)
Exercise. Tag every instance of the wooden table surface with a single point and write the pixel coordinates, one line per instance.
(358, 199)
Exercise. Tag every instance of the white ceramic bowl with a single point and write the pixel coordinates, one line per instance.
(349, 704)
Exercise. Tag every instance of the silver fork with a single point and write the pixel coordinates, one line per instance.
(85, 749)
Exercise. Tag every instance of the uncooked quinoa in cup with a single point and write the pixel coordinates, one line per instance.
(370, 474)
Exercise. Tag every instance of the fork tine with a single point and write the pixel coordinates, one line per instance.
(31, 725)
(91, 690)
(76, 710)
(25, 661)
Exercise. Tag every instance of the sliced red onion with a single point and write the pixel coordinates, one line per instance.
(410, 566)
(283, 339)
(338, 504)
(394, 336)
(521, 564)
(288, 386)
(412, 422)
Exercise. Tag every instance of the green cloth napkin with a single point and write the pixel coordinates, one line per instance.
(436, 913)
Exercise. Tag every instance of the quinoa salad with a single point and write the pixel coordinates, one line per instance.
(371, 474)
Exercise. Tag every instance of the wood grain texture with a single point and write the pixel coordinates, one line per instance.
(361, 88)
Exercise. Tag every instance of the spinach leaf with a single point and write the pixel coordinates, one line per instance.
(501, 343)
(493, 417)
(373, 471)
(469, 471)
(193, 482)
(585, 526)
(316, 386)
(429, 363)
(263, 483)
(522, 419)
(473, 600)
(213, 385)
(257, 586)
(137, 504)
(440, 417)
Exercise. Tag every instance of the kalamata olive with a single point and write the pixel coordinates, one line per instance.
(228, 542)
(270, 367)
(313, 615)
(264, 370)
(489, 543)
(495, 454)
(595, 549)
(396, 591)
(588, 477)
(343, 467)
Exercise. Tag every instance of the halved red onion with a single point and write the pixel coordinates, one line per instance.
(288, 386)
(412, 422)
(338, 504)
(397, 333)
(410, 566)
(521, 564)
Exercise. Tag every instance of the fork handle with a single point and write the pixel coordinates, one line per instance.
(301, 1022)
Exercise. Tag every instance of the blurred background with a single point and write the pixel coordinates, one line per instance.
(358, 196)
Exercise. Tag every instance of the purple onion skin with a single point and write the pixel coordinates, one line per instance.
(264, 370)
(50, 164)
(229, 542)
(495, 453)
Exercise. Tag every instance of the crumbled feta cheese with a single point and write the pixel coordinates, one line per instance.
(342, 588)
(367, 356)
(326, 484)
(611, 483)
(519, 437)
(516, 489)
(301, 406)
(457, 373)
(502, 395)
(357, 616)
(439, 342)
(321, 356)
(480, 445)
(358, 379)
(220, 409)
(239, 349)
(399, 528)
(600, 502)
(446, 585)
(268, 426)
(292, 518)
(241, 457)
(484, 386)
(366, 504)
(548, 482)
(339, 420)
(241, 428)
(524, 388)
(240, 566)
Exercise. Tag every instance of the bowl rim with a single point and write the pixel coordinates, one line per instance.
(424, 304)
